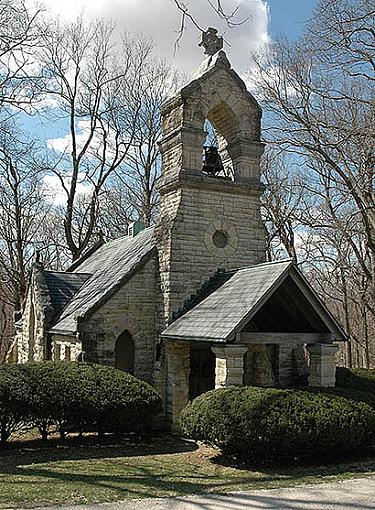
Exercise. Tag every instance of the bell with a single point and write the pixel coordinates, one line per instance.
(212, 163)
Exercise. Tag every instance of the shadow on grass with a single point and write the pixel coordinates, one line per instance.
(33, 467)
(76, 448)
(359, 461)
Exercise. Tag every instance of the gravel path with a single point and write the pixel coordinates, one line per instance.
(344, 495)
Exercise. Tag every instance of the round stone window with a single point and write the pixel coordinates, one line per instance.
(220, 239)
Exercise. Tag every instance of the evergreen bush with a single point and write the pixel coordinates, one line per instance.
(75, 397)
(262, 422)
(14, 393)
(358, 379)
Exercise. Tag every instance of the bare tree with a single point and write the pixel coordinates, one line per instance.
(232, 17)
(23, 216)
(95, 89)
(136, 177)
(19, 36)
(325, 113)
(281, 203)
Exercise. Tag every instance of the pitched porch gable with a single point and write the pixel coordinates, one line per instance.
(244, 304)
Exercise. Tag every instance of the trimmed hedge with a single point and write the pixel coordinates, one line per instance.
(253, 422)
(358, 379)
(14, 392)
(77, 397)
(357, 384)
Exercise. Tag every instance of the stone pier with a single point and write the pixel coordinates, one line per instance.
(178, 363)
(229, 368)
(322, 365)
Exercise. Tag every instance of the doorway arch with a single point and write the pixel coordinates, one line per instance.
(125, 352)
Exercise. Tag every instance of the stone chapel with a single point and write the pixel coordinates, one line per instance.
(190, 304)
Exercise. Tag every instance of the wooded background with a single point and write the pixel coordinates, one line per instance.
(58, 196)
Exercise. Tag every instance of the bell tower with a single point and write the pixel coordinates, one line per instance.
(210, 208)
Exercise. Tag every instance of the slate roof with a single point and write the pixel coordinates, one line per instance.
(62, 287)
(222, 314)
(109, 267)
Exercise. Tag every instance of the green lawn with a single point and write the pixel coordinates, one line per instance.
(165, 466)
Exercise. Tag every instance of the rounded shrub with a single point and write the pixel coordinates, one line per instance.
(14, 393)
(357, 384)
(88, 397)
(61, 394)
(262, 422)
(357, 379)
(123, 403)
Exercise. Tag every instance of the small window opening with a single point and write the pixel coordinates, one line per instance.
(31, 332)
(57, 352)
(220, 239)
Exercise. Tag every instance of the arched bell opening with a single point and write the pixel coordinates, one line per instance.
(222, 131)
(125, 352)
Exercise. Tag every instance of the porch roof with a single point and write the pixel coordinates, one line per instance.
(225, 312)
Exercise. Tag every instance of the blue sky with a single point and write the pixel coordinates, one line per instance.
(287, 17)
(267, 19)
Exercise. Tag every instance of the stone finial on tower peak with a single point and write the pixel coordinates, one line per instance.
(211, 42)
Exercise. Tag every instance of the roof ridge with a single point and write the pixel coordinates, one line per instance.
(269, 263)
(66, 272)
(120, 238)
(85, 255)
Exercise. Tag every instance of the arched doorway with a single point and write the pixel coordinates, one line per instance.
(124, 352)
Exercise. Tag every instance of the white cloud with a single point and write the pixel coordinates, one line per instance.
(64, 143)
(160, 19)
(54, 191)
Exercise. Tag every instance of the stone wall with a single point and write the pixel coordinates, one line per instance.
(8, 346)
(65, 348)
(189, 218)
(194, 206)
(131, 308)
(258, 369)
(36, 316)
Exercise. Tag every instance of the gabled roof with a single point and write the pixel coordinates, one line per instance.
(62, 287)
(209, 66)
(110, 266)
(228, 309)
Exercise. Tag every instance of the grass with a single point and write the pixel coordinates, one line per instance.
(90, 471)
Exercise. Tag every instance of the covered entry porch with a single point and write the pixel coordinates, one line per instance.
(265, 326)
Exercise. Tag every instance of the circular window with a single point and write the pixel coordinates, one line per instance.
(220, 239)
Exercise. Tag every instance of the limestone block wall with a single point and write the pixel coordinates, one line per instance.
(221, 97)
(189, 218)
(7, 330)
(131, 308)
(177, 388)
(65, 348)
(32, 335)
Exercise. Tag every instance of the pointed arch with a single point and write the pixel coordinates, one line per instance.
(125, 352)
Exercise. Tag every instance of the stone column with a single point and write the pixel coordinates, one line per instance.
(286, 364)
(178, 372)
(322, 364)
(229, 365)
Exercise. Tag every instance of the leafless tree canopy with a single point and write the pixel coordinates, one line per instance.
(319, 97)
(102, 92)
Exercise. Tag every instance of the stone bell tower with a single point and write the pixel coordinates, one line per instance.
(208, 220)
